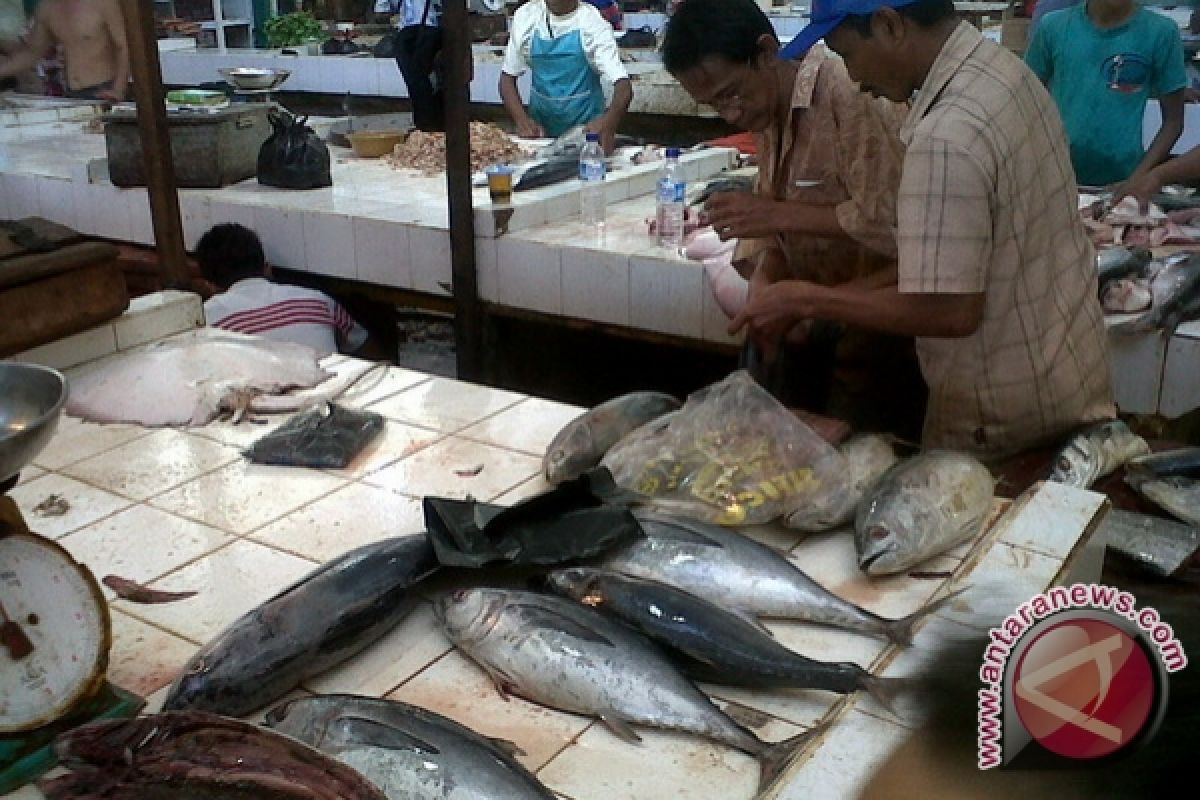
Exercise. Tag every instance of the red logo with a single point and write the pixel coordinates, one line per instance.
(1084, 688)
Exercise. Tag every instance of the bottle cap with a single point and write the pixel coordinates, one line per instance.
(592, 136)
(672, 152)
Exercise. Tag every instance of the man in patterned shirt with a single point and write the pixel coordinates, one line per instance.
(996, 276)
(823, 208)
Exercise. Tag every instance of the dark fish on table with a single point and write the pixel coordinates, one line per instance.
(1184, 461)
(555, 652)
(715, 645)
(1114, 263)
(194, 755)
(409, 752)
(729, 183)
(921, 508)
(1175, 494)
(137, 593)
(582, 443)
(738, 573)
(316, 623)
(1095, 452)
(1178, 303)
(547, 173)
(1160, 546)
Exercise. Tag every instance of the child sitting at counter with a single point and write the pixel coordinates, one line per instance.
(231, 258)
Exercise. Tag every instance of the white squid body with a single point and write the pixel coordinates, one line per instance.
(728, 287)
(191, 378)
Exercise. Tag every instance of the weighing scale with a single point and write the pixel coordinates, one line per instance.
(55, 630)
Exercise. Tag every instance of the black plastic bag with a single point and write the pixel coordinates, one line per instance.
(576, 519)
(329, 437)
(386, 47)
(293, 156)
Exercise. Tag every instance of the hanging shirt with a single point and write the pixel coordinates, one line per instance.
(850, 142)
(411, 11)
(1101, 78)
(599, 44)
(285, 313)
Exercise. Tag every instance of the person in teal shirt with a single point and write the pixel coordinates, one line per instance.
(1102, 60)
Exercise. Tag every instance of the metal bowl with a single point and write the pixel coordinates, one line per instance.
(250, 78)
(31, 402)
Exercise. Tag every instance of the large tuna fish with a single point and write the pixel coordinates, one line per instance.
(408, 751)
(921, 508)
(736, 572)
(194, 755)
(581, 444)
(867, 456)
(555, 652)
(314, 624)
(717, 646)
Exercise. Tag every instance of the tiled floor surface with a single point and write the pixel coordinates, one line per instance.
(182, 510)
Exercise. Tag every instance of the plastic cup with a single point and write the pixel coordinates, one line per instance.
(500, 183)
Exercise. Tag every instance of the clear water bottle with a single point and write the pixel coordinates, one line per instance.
(593, 197)
(671, 190)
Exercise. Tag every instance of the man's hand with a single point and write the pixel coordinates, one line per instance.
(741, 215)
(528, 129)
(771, 311)
(608, 133)
(1140, 186)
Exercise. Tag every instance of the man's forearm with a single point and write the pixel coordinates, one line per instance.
(511, 97)
(19, 62)
(1168, 133)
(888, 311)
(622, 97)
(793, 217)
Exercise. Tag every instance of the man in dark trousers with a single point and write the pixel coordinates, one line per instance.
(418, 47)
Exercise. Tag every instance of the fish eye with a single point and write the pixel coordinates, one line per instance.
(1064, 464)
(458, 596)
(878, 533)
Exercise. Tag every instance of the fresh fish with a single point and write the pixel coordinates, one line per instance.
(193, 755)
(867, 456)
(547, 173)
(581, 444)
(1161, 546)
(568, 145)
(738, 573)
(728, 183)
(1175, 494)
(718, 646)
(1184, 461)
(1118, 262)
(555, 652)
(1126, 296)
(317, 622)
(1095, 452)
(408, 751)
(137, 593)
(1180, 299)
(921, 508)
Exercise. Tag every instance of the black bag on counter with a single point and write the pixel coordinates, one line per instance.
(329, 437)
(293, 156)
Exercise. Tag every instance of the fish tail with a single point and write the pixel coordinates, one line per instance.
(900, 631)
(775, 757)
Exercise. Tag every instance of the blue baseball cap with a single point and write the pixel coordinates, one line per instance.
(825, 15)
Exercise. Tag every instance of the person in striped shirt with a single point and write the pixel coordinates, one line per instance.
(231, 258)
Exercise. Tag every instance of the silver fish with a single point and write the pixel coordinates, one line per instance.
(1159, 546)
(1126, 296)
(558, 653)
(321, 620)
(1179, 302)
(867, 456)
(1120, 262)
(408, 751)
(715, 645)
(1182, 461)
(921, 508)
(736, 572)
(581, 444)
(1096, 452)
(1175, 494)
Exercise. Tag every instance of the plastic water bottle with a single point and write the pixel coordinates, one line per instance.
(671, 191)
(593, 197)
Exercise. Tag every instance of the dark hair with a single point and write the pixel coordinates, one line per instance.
(228, 253)
(926, 13)
(729, 29)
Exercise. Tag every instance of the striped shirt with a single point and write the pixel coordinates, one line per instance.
(285, 314)
(988, 205)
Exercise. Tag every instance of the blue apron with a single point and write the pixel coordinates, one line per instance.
(566, 90)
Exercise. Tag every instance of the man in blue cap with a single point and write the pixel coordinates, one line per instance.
(996, 275)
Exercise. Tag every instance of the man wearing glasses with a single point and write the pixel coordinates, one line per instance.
(823, 209)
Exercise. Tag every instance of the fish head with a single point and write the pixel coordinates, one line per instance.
(569, 456)
(1075, 466)
(577, 583)
(469, 615)
(889, 532)
(879, 549)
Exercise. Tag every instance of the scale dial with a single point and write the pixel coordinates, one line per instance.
(55, 632)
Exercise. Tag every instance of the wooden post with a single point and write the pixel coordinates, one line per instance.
(468, 312)
(156, 141)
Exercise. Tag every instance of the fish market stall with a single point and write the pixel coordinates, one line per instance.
(204, 535)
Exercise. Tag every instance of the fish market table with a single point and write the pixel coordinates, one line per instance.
(183, 510)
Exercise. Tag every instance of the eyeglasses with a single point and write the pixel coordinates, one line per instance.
(730, 98)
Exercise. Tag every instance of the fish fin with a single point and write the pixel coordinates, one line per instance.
(377, 734)
(507, 746)
(900, 631)
(748, 616)
(538, 617)
(884, 690)
(620, 728)
(776, 756)
(505, 685)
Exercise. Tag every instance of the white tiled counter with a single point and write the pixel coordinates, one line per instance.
(183, 510)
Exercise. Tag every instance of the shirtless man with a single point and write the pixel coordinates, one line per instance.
(92, 35)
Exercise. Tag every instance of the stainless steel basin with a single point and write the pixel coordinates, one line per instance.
(31, 402)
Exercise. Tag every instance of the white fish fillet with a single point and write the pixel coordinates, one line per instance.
(189, 379)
